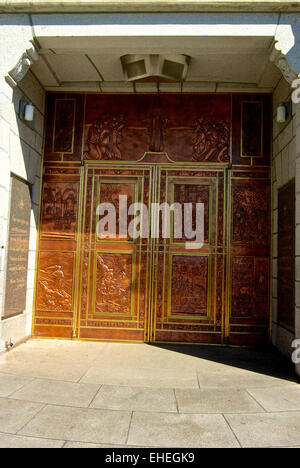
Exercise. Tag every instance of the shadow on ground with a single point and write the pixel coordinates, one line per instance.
(266, 360)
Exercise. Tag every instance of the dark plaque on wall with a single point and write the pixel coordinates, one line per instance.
(18, 245)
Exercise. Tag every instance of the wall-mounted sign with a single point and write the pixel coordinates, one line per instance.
(18, 246)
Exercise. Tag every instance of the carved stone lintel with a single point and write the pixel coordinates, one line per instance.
(281, 61)
(18, 72)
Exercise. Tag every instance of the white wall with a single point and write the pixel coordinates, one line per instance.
(20, 154)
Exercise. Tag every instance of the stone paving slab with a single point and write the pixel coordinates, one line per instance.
(236, 378)
(81, 425)
(45, 368)
(13, 441)
(57, 393)
(266, 429)
(72, 445)
(141, 377)
(216, 401)
(180, 430)
(146, 356)
(135, 399)
(10, 383)
(14, 414)
(285, 398)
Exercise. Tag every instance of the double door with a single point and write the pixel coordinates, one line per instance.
(143, 277)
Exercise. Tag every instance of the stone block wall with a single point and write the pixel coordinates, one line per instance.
(20, 154)
(297, 247)
(285, 167)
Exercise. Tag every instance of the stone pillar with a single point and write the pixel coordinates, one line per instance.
(297, 247)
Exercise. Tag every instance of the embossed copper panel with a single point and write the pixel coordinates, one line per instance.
(204, 128)
(250, 287)
(55, 281)
(57, 269)
(64, 125)
(193, 194)
(148, 288)
(209, 148)
(113, 285)
(189, 128)
(251, 129)
(189, 285)
(115, 291)
(188, 293)
(251, 214)
(59, 209)
(109, 193)
(250, 252)
(63, 135)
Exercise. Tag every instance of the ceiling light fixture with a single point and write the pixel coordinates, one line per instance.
(155, 68)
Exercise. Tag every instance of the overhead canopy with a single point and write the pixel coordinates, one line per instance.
(83, 52)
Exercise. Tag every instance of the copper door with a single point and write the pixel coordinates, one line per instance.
(154, 288)
(114, 291)
(188, 295)
(167, 148)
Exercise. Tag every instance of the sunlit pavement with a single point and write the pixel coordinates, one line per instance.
(85, 394)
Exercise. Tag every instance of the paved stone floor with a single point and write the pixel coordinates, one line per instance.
(85, 394)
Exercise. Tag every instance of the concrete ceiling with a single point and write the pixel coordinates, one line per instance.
(217, 63)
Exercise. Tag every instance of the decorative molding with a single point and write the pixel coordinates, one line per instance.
(133, 6)
(281, 61)
(18, 72)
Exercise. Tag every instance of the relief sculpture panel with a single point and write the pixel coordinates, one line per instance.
(250, 262)
(59, 209)
(193, 193)
(189, 285)
(250, 284)
(211, 141)
(193, 129)
(251, 213)
(110, 193)
(104, 138)
(113, 284)
(55, 281)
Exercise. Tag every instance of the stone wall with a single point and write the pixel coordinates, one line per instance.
(297, 266)
(286, 166)
(20, 154)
